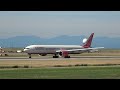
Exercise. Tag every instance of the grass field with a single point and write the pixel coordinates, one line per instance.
(90, 68)
(53, 63)
(82, 72)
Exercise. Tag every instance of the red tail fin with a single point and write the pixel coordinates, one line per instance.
(88, 42)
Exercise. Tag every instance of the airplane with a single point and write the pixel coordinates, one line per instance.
(61, 50)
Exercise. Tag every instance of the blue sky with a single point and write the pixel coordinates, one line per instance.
(48, 24)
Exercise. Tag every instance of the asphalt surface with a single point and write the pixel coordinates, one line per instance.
(50, 58)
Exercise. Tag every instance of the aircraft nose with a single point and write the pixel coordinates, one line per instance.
(25, 50)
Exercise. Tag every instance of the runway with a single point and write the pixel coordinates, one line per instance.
(50, 58)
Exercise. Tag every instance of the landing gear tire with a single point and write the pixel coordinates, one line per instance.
(29, 55)
(55, 56)
(67, 57)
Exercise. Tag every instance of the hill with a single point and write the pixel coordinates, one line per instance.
(23, 41)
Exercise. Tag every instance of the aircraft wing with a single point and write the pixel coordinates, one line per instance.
(82, 49)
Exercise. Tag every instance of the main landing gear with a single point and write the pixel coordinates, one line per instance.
(67, 57)
(55, 56)
(62, 56)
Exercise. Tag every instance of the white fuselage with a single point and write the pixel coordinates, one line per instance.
(49, 49)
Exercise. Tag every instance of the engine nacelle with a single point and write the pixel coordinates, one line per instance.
(64, 54)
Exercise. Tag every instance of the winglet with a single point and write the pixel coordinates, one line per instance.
(89, 41)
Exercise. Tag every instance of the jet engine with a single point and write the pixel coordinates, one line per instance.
(64, 54)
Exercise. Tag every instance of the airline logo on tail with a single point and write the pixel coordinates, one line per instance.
(88, 42)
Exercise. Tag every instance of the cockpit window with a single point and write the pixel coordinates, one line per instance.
(27, 48)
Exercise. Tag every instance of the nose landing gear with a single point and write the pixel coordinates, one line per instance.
(29, 55)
